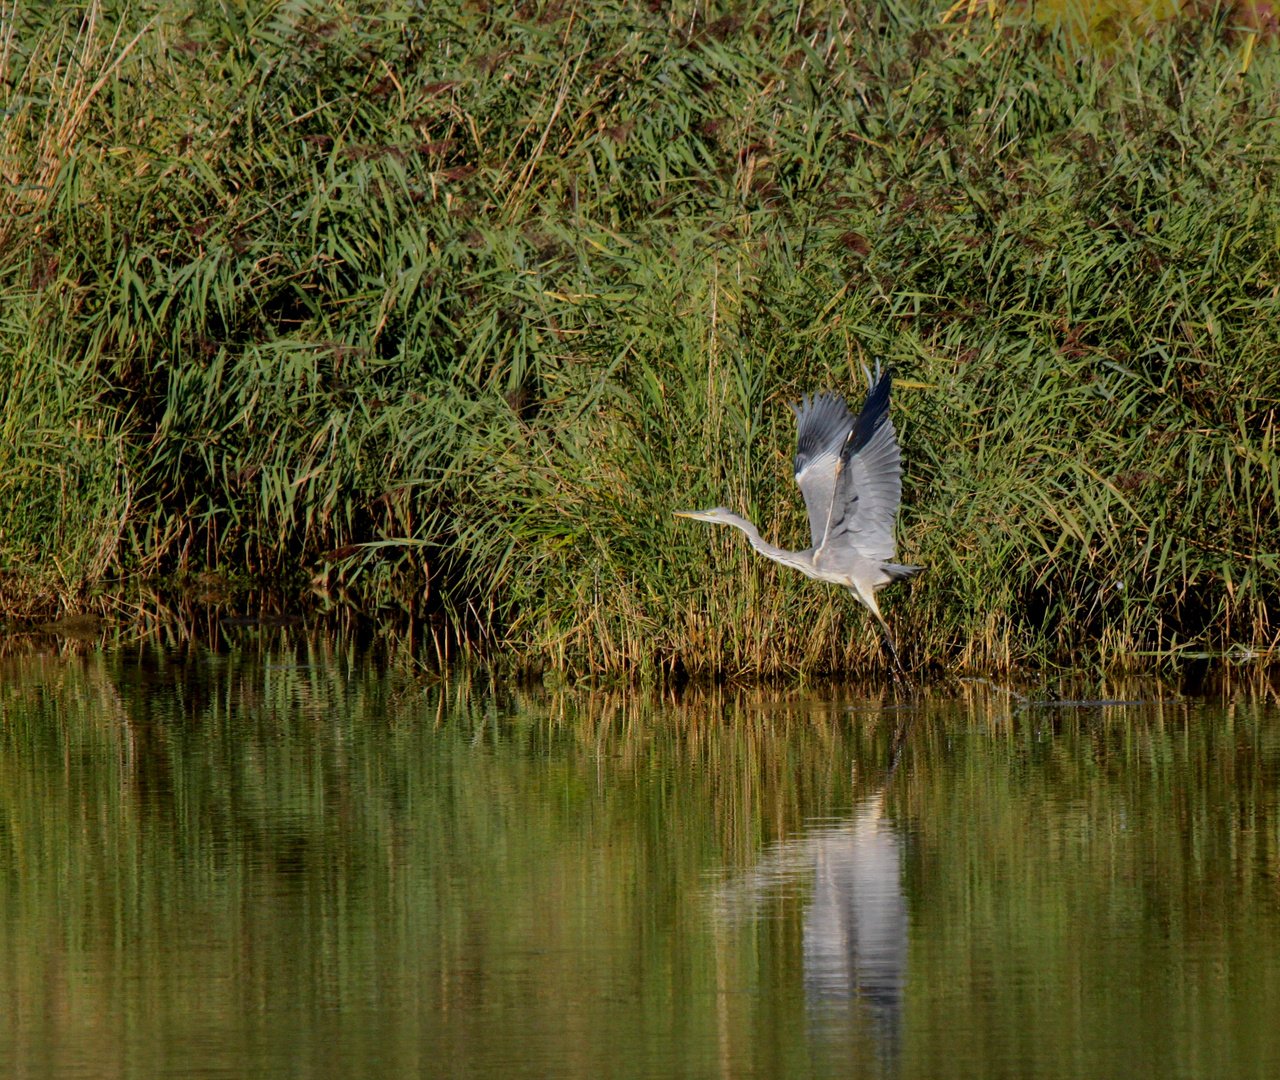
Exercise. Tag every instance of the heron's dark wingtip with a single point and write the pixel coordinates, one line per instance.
(875, 411)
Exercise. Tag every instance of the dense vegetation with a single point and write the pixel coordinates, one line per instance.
(446, 307)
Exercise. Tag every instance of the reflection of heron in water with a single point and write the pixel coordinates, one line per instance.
(855, 928)
(855, 925)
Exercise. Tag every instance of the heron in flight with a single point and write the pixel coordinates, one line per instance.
(849, 470)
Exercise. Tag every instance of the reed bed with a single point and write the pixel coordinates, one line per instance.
(441, 310)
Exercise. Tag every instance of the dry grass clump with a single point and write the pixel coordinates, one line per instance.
(447, 309)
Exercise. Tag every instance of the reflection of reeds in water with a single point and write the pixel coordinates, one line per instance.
(1109, 856)
(277, 838)
(277, 826)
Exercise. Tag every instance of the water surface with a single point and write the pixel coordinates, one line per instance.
(284, 860)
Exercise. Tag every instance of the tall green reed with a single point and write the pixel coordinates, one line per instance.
(446, 310)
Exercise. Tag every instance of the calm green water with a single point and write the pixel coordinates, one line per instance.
(282, 862)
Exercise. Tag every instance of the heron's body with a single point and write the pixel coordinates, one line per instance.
(850, 473)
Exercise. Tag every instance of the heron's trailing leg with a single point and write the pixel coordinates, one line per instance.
(895, 666)
(899, 672)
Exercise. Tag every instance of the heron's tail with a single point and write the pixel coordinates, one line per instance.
(897, 572)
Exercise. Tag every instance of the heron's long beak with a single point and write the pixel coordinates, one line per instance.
(684, 513)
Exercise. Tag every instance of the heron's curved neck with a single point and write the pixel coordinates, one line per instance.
(798, 559)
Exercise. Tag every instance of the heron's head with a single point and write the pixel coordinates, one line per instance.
(719, 515)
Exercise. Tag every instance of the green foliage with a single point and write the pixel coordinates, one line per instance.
(449, 308)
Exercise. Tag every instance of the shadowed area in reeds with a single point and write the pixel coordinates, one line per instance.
(444, 308)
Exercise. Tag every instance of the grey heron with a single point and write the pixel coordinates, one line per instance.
(850, 473)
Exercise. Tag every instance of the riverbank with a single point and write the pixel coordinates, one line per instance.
(444, 316)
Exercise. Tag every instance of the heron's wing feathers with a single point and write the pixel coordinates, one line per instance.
(823, 424)
(868, 485)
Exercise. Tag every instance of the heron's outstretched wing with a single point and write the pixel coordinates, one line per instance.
(868, 484)
(850, 472)
(823, 424)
